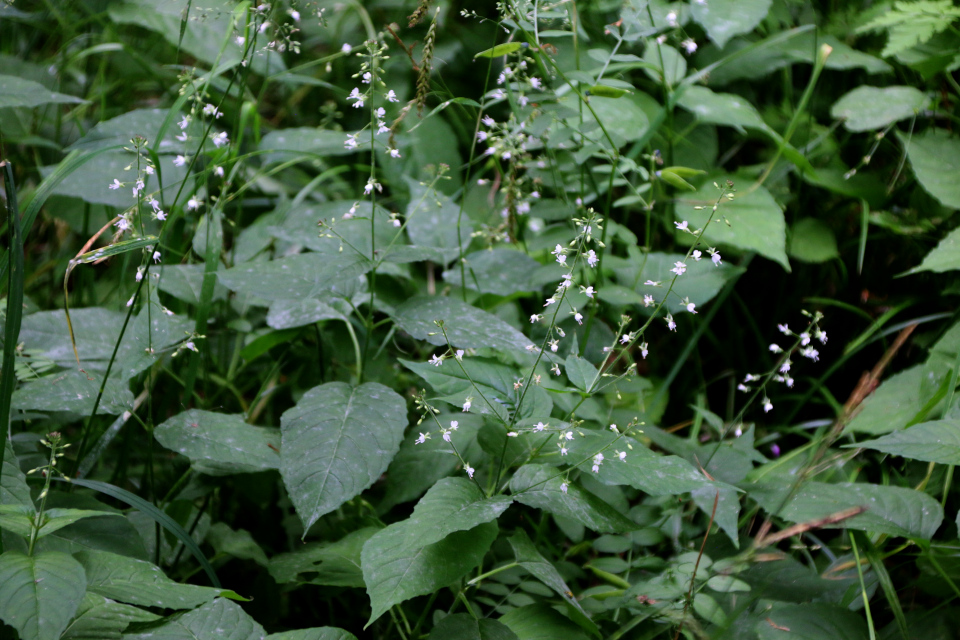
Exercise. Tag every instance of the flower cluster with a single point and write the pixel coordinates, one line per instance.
(371, 85)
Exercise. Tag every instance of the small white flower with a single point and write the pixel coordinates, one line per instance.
(592, 258)
(423, 438)
(648, 300)
(767, 405)
(394, 153)
(689, 45)
(644, 350)
(392, 96)
(566, 282)
(671, 325)
(775, 348)
(716, 258)
(539, 426)
(459, 355)
(535, 318)
(160, 215)
(578, 316)
(446, 436)
(568, 435)
(470, 470)
(436, 360)
(482, 136)
(179, 161)
(697, 255)
(367, 77)
(512, 434)
(488, 121)
(156, 256)
(820, 335)
(613, 428)
(587, 291)
(193, 204)
(219, 172)
(562, 259)
(454, 425)
(564, 485)
(153, 202)
(116, 184)
(784, 329)
(679, 268)
(810, 352)
(743, 387)
(555, 369)
(184, 122)
(804, 339)
(467, 405)
(346, 48)
(622, 455)
(672, 19)
(139, 275)
(681, 226)
(240, 40)
(691, 307)
(652, 283)
(294, 14)
(220, 139)
(536, 83)
(149, 170)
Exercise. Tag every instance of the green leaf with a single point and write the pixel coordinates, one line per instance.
(580, 372)
(307, 143)
(812, 241)
(756, 220)
(937, 441)
(530, 559)
(395, 572)
(726, 109)
(463, 626)
(892, 405)
(336, 442)
(217, 620)
(74, 391)
(539, 486)
(623, 118)
(220, 444)
(895, 511)
(498, 271)
(868, 108)
(314, 633)
(724, 19)
(667, 64)
(90, 181)
(701, 282)
(944, 257)
(810, 622)
(501, 50)
(912, 23)
(287, 314)
(20, 519)
(935, 158)
(39, 594)
(541, 622)
(302, 276)
(100, 618)
(115, 249)
(139, 582)
(138, 122)
(431, 219)
(237, 543)
(13, 483)
(467, 327)
(335, 564)
(20, 92)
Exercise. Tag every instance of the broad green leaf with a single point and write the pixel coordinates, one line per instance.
(539, 486)
(141, 583)
(307, 143)
(498, 271)
(892, 405)
(220, 444)
(431, 219)
(937, 441)
(335, 564)
(623, 118)
(100, 618)
(91, 181)
(417, 467)
(944, 257)
(298, 277)
(314, 633)
(814, 621)
(935, 158)
(183, 282)
(348, 223)
(724, 19)
(74, 391)
(39, 594)
(466, 327)
(237, 543)
(336, 442)
(668, 65)
(530, 559)
(726, 109)
(119, 130)
(21, 519)
(394, 572)
(20, 92)
(205, 30)
(102, 533)
(895, 511)
(541, 622)
(812, 241)
(287, 314)
(756, 220)
(13, 482)
(701, 282)
(868, 108)
(217, 620)
(580, 372)
(463, 626)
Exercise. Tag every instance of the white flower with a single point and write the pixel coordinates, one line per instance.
(592, 258)
(613, 428)
(512, 434)
(671, 325)
(351, 141)
(423, 438)
(355, 95)
(622, 455)
(551, 300)
(804, 339)
(555, 369)
(536, 83)
(554, 346)
(587, 291)
(681, 226)
(139, 275)
(691, 307)
(535, 318)
(566, 282)
(367, 77)
(160, 215)
(775, 348)
(811, 353)
(539, 426)
(784, 329)
(220, 139)
(767, 405)
(346, 48)
(568, 435)
(179, 161)
(184, 122)
(689, 45)
(240, 40)
(562, 259)
(394, 153)
(123, 225)
(743, 387)
(116, 184)
(488, 121)
(578, 316)
(679, 268)
(446, 436)
(454, 425)
(697, 255)
(153, 202)
(751, 377)
(625, 338)
(156, 256)
(211, 110)
(652, 283)
(482, 136)
(597, 461)
(716, 258)
(672, 19)
(294, 14)
(183, 137)
(470, 470)
(459, 355)
(149, 170)
(820, 335)
(564, 485)
(436, 360)
(392, 96)
(644, 350)
(467, 405)
(648, 300)
(193, 204)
